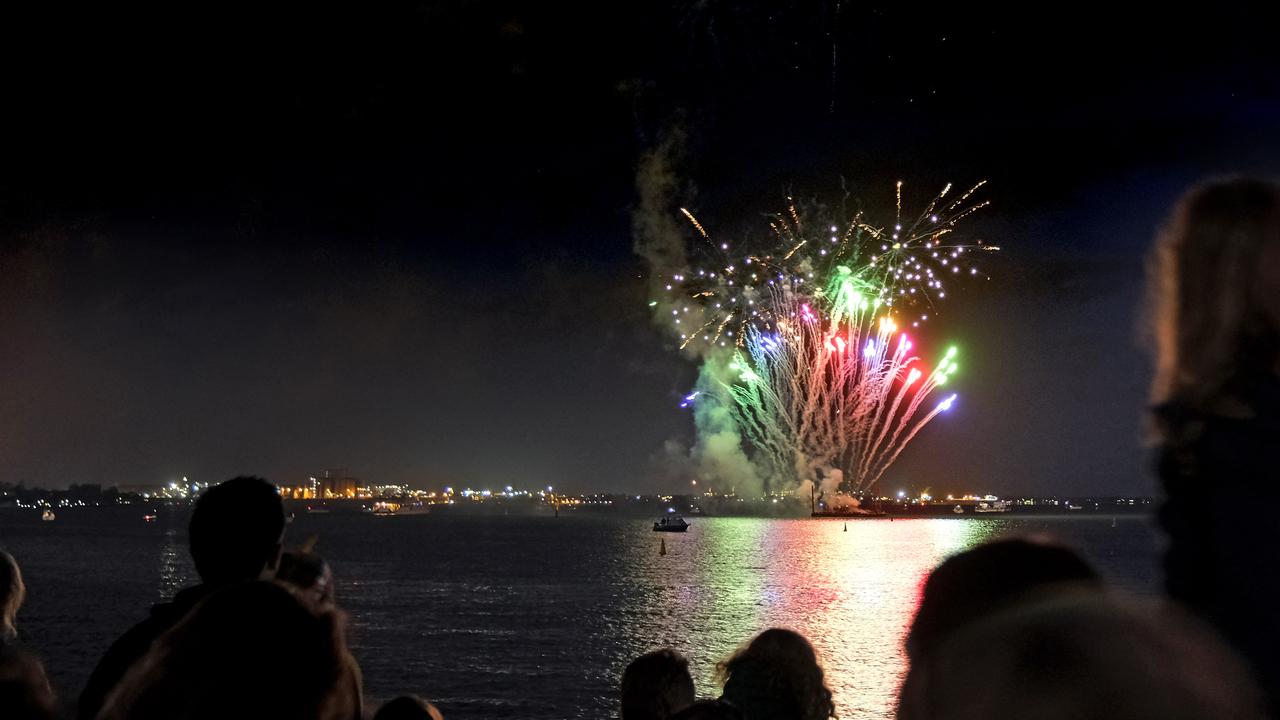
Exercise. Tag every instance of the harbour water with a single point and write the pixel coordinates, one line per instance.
(535, 617)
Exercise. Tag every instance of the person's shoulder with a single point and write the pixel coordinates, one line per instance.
(126, 649)
(162, 617)
(133, 645)
(21, 665)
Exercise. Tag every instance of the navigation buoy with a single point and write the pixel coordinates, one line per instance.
(662, 549)
(846, 526)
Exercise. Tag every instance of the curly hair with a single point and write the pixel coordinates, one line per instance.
(781, 665)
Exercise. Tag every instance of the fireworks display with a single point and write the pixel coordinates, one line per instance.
(818, 374)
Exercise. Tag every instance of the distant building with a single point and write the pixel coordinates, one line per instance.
(332, 485)
(309, 490)
(340, 487)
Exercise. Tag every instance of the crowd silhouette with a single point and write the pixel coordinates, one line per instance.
(1012, 628)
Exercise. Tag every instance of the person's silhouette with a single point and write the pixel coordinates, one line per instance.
(235, 535)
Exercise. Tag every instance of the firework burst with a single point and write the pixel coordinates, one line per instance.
(821, 380)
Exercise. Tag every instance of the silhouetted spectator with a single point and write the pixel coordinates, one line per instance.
(309, 573)
(1081, 657)
(656, 685)
(988, 578)
(1216, 394)
(709, 710)
(24, 687)
(408, 707)
(776, 677)
(12, 594)
(254, 649)
(235, 535)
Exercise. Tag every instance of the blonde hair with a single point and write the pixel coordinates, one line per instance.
(1206, 324)
(12, 593)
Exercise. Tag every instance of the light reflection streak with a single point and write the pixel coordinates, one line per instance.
(176, 568)
(852, 593)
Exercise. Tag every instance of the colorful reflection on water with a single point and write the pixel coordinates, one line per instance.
(851, 588)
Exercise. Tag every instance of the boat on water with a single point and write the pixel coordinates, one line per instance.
(386, 509)
(672, 523)
(311, 510)
(151, 517)
(48, 516)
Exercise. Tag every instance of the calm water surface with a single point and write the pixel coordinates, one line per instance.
(535, 617)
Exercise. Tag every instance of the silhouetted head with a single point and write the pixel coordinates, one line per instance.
(408, 707)
(12, 593)
(709, 710)
(251, 649)
(656, 685)
(988, 578)
(236, 529)
(1081, 657)
(1215, 291)
(308, 573)
(777, 674)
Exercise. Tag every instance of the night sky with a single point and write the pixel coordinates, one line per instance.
(397, 239)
